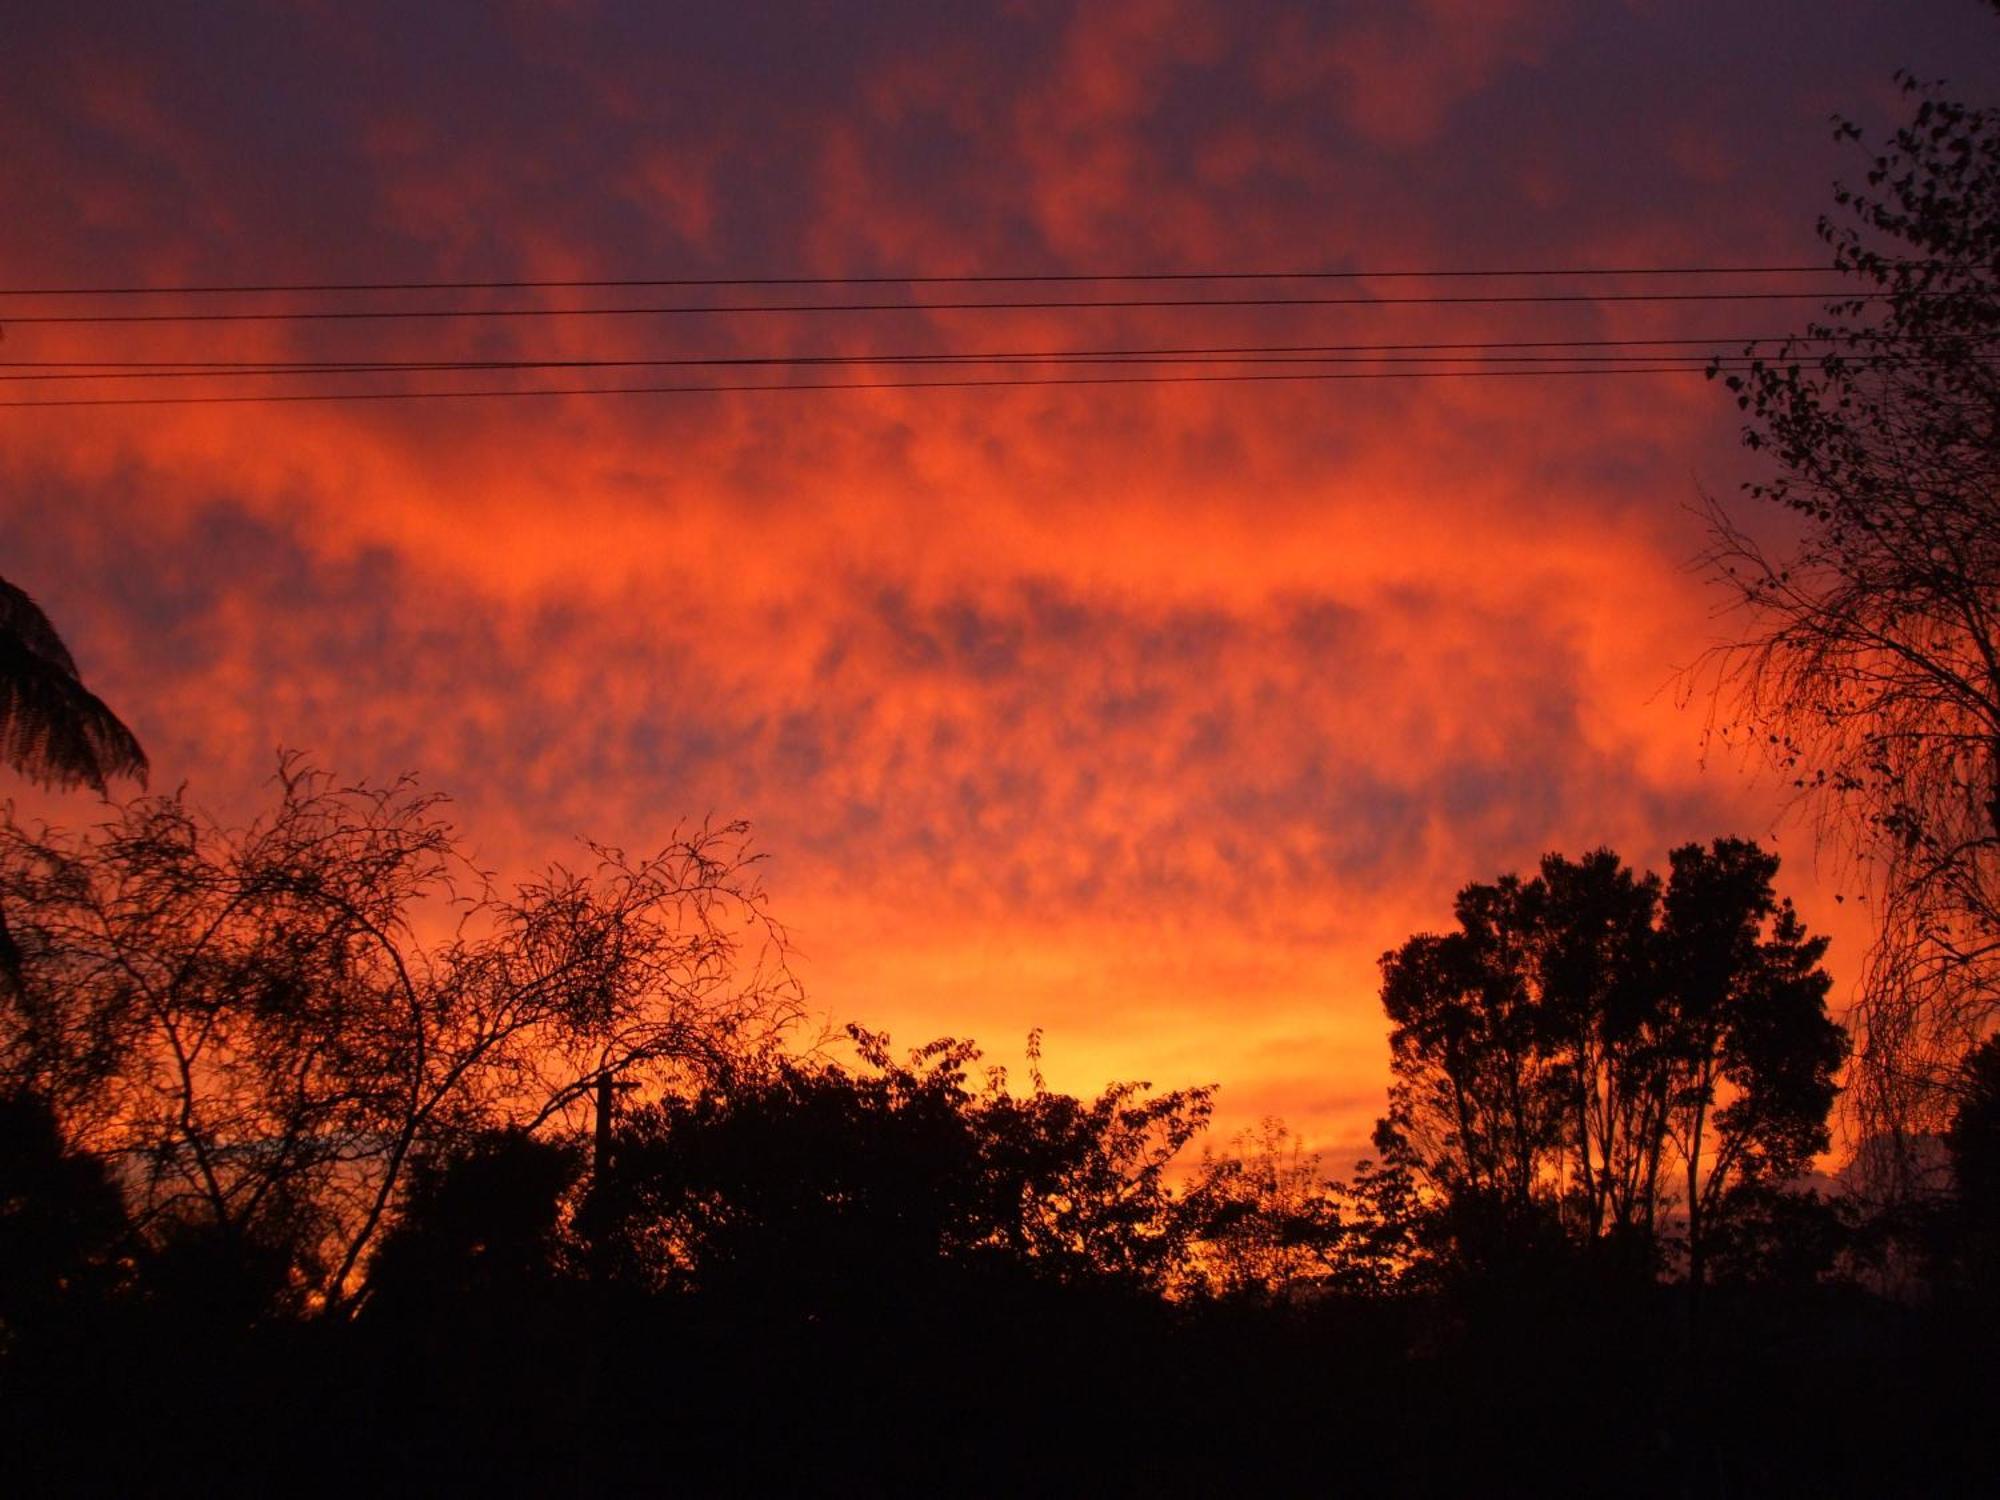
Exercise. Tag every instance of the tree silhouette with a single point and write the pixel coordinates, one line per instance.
(1268, 1225)
(482, 1221)
(1090, 1177)
(52, 728)
(62, 1222)
(1869, 663)
(1586, 1037)
(266, 1025)
(1752, 1051)
(802, 1188)
(807, 1184)
(1974, 1143)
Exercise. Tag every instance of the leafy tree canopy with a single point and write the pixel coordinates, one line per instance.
(1594, 1056)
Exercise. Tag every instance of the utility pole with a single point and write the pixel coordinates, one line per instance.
(600, 1156)
(595, 1216)
(609, 1086)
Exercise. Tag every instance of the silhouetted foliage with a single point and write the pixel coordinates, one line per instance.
(1591, 1049)
(800, 1182)
(211, 1278)
(265, 1026)
(53, 729)
(1974, 1137)
(1384, 1249)
(1267, 1225)
(1971, 1232)
(62, 1222)
(1867, 666)
(482, 1218)
(1090, 1176)
(1764, 1235)
(805, 1183)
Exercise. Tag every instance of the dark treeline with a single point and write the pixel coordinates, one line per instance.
(327, 1161)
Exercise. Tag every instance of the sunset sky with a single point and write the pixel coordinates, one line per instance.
(1151, 715)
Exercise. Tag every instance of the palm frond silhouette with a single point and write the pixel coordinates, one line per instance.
(53, 729)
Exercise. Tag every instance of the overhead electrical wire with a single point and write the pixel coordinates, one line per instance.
(1690, 361)
(522, 392)
(446, 367)
(115, 377)
(1471, 346)
(1024, 278)
(410, 314)
(1586, 352)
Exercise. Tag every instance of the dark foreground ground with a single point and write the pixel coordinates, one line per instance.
(1005, 1386)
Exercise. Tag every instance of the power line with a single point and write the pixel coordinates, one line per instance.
(1609, 361)
(1027, 278)
(1472, 345)
(1692, 361)
(847, 385)
(1506, 352)
(317, 315)
(413, 367)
